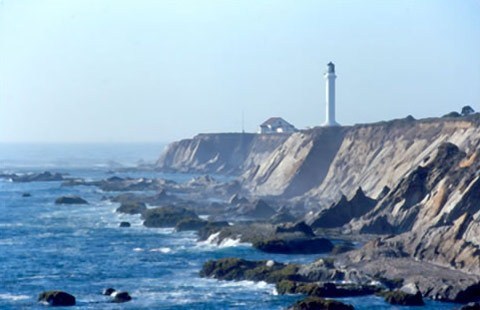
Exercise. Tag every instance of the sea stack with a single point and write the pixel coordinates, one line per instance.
(330, 96)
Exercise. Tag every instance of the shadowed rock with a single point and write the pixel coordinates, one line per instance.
(401, 298)
(294, 245)
(328, 290)
(258, 210)
(300, 227)
(57, 298)
(316, 303)
(132, 208)
(167, 216)
(70, 200)
(120, 297)
(344, 211)
(190, 224)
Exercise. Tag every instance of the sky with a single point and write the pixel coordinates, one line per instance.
(158, 71)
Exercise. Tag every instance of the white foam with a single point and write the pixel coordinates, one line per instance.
(13, 297)
(261, 285)
(227, 242)
(214, 241)
(164, 250)
(138, 250)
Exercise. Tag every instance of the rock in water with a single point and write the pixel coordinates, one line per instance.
(26, 195)
(57, 298)
(167, 216)
(132, 208)
(108, 291)
(211, 228)
(325, 290)
(190, 224)
(70, 200)
(298, 227)
(404, 299)
(125, 224)
(294, 245)
(315, 303)
(120, 297)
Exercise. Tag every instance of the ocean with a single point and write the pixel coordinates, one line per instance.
(82, 250)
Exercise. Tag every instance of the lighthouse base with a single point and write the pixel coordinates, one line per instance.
(330, 124)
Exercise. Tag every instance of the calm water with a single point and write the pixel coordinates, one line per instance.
(81, 249)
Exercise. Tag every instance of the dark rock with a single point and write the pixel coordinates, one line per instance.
(391, 284)
(190, 224)
(301, 227)
(108, 291)
(211, 228)
(119, 297)
(328, 290)
(383, 193)
(70, 200)
(239, 269)
(125, 224)
(294, 245)
(258, 210)
(379, 225)
(132, 208)
(344, 211)
(115, 179)
(236, 199)
(26, 195)
(57, 298)
(402, 298)
(167, 216)
(316, 303)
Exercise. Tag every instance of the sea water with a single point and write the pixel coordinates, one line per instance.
(82, 250)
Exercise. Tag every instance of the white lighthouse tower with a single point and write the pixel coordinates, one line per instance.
(330, 95)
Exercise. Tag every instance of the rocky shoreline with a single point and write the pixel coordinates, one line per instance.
(412, 235)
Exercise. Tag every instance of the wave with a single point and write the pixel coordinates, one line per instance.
(214, 240)
(164, 250)
(260, 285)
(7, 296)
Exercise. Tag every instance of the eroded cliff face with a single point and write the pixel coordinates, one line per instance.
(298, 165)
(223, 153)
(325, 163)
(430, 167)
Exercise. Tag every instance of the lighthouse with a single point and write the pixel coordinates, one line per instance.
(330, 95)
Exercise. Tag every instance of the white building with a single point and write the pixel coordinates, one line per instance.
(330, 95)
(276, 125)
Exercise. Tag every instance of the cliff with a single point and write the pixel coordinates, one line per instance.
(420, 178)
(223, 153)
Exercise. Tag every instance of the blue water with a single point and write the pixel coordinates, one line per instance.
(80, 249)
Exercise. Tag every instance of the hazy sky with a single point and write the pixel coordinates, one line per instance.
(113, 71)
